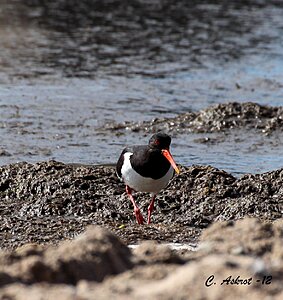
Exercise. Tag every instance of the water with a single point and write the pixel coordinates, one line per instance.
(69, 67)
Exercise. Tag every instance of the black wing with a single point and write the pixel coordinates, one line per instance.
(121, 161)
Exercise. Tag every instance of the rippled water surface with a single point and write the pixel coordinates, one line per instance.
(68, 67)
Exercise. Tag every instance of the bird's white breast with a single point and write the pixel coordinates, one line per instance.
(140, 183)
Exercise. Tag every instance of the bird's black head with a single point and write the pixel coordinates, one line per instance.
(160, 141)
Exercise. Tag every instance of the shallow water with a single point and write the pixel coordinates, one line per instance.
(68, 68)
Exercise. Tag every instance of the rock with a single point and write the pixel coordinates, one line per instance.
(249, 236)
(91, 256)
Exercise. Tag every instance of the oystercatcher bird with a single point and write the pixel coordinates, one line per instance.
(147, 168)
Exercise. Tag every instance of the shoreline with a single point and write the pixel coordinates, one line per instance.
(207, 223)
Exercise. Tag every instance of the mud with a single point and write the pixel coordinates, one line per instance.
(220, 117)
(51, 201)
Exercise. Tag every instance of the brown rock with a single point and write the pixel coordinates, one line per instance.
(248, 236)
(91, 256)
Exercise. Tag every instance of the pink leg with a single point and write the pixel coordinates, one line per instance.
(150, 209)
(138, 214)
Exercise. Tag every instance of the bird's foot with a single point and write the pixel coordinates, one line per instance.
(139, 216)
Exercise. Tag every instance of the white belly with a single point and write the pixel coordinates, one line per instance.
(143, 184)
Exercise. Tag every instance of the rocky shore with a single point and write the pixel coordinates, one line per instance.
(50, 201)
(216, 118)
(236, 224)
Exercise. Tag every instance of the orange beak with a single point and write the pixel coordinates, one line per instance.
(169, 157)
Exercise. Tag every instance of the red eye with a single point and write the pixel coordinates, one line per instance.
(156, 142)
